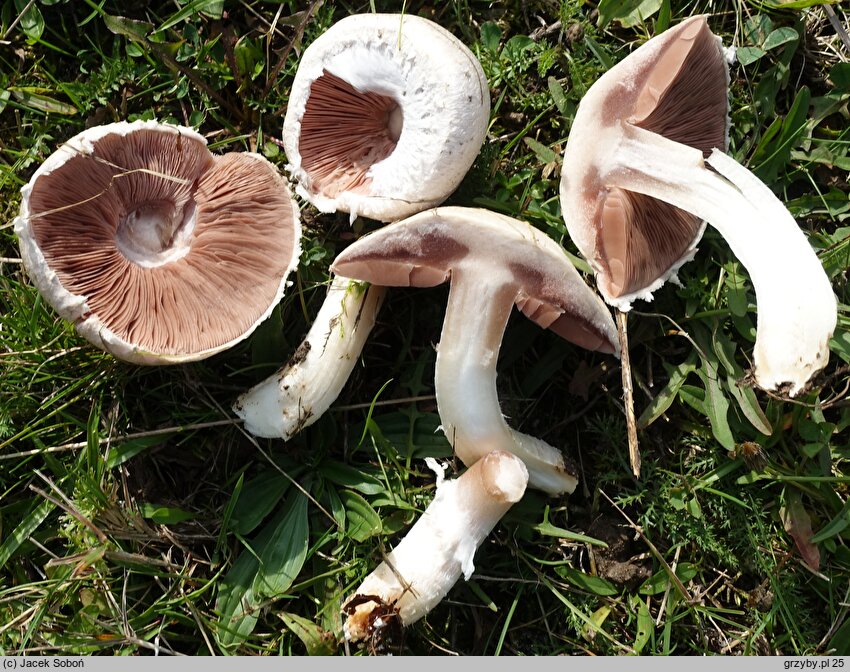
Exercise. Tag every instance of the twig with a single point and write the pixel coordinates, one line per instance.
(274, 464)
(299, 33)
(18, 19)
(386, 402)
(68, 506)
(655, 552)
(839, 619)
(118, 439)
(839, 29)
(628, 393)
(666, 597)
(545, 31)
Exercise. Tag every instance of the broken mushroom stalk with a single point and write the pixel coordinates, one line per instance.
(494, 262)
(644, 166)
(386, 115)
(297, 395)
(418, 573)
(155, 249)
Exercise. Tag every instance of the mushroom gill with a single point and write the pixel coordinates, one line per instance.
(344, 132)
(158, 248)
(683, 98)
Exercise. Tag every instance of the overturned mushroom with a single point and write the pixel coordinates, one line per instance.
(429, 560)
(635, 186)
(297, 395)
(155, 249)
(494, 262)
(386, 115)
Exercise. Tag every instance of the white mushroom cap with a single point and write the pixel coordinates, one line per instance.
(156, 250)
(386, 115)
(494, 262)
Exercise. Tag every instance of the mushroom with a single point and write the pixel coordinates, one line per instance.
(429, 560)
(643, 166)
(386, 115)
(297, 395)
(156, 250)
(494, 262)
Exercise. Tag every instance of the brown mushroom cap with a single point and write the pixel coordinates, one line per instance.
(157, 250)
(675, 85)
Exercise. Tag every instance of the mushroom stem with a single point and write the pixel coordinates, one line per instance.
(299, 393)
(797, 309)
(421, 570)
(465, 379)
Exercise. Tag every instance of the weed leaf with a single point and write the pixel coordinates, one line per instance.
(23, 531)
(362, 520)
(665, 398)
(319, 642)
(284, 554)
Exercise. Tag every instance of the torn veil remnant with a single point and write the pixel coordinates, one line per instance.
(157, 250)
(386, 115)
(494, 262)
(431, 557)
(636, 185)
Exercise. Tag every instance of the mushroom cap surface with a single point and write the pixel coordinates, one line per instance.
(422, 251)
(385, 117)
(155, 249)
(675, 85)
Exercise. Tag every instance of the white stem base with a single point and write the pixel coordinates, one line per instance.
(418, 573)
(297, 395)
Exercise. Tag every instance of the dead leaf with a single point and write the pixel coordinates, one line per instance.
(798, 524)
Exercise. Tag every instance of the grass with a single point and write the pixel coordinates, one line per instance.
(136, 515)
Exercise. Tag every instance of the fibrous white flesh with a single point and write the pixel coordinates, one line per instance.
(437, 124)
(429, 560)
(297, 395)
(465, 379)
(797, 309)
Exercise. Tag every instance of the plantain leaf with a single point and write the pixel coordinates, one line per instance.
(657, 583)
(282, 557)
(592, 584)
(644, 624)
(164, 515)
(258, 498)
(665, 398)
(798, 525)
(362, 520)
(319, 642)
(349, 477)
(32, 20)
